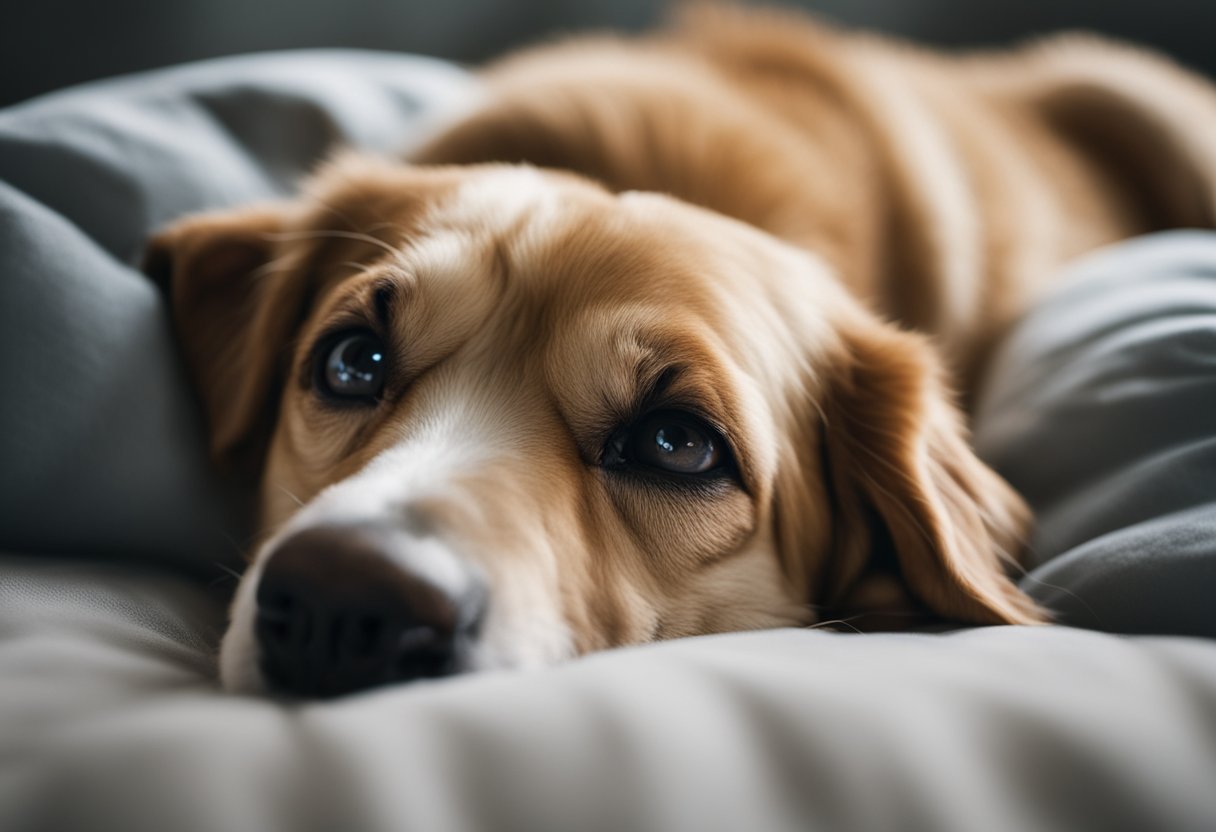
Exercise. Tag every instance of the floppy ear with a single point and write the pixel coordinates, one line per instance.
(904, 477)
(233, 318)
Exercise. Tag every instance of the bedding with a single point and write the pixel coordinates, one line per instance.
(117, 540)
(109, 721)
(1103, 414)
(100, 441)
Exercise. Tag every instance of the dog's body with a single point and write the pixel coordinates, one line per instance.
(503, 415)
(943, 190)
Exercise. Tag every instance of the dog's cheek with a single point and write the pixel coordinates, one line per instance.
(283, 492)
(525, 625)
(747, 590)
(301, 462)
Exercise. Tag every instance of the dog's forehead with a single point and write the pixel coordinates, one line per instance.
(549, 254)
(557, 231)
(499, 199)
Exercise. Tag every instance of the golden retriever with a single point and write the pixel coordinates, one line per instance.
(662, 339)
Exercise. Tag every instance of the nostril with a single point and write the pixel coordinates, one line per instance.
(272, 629)
(301, 631)
(424, 653)
(273, 602)
(332, 646)
(418, 638)
(277, 616)
(365, 635)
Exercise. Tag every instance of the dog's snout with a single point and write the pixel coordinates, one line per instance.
(337, 613)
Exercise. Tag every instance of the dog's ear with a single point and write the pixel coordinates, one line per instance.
(908, 488)
(234, 318)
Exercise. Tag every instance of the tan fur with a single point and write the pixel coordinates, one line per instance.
(944, 189)
(530, 311)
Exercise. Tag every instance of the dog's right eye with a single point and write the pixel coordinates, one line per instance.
(351, 366)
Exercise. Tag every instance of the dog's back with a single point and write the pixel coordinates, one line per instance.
(944, 189)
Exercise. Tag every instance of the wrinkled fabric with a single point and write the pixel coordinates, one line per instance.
(101, 446)
(1101, 411)
(109, 720)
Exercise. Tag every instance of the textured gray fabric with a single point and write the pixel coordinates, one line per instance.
(109, 721)
(99, 443)
(1102, 412)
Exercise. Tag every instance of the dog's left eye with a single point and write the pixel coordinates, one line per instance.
(671, 441)
(352, 366)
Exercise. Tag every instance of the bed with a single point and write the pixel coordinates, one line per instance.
(118, 545)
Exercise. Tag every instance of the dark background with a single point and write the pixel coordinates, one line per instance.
(47, 44)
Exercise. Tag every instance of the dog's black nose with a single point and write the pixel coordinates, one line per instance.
(336, 613)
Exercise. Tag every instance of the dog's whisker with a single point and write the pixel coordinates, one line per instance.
(821, 625)
(225, 568)
(272, 266)
(288, 492)
(350, 221)
(240, 549)
(1066, 591)
(229, 574)
(321, 234)
(355, 267)
(885, 613)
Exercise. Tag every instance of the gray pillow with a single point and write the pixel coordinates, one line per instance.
(1102, 412)
(100, 447)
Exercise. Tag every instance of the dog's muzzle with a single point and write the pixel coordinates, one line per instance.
(338, 610)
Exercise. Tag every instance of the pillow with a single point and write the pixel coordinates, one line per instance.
(1102, 411)
(109, 721)
(102, 451)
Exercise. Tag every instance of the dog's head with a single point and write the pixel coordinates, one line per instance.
(502, 417)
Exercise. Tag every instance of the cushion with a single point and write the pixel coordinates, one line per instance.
(101, 446)
(1102, 412)
(110, 720)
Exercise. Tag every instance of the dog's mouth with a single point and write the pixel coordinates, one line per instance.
(337, 611)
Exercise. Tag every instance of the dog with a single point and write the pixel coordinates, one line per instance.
(669, 336)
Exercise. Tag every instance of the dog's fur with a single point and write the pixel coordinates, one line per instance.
(721, 219)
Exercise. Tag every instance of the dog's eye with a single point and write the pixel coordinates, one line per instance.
(670, 441)
(352, 366)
